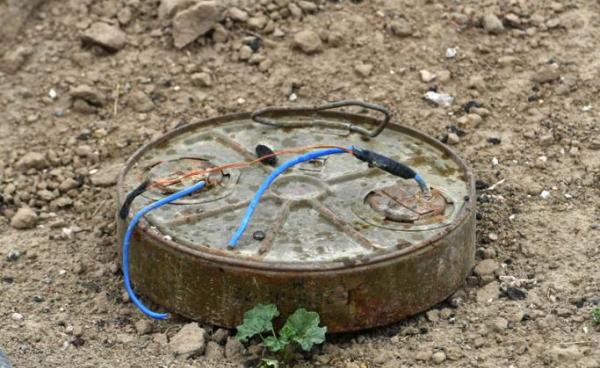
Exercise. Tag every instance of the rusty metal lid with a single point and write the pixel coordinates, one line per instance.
(327, 213)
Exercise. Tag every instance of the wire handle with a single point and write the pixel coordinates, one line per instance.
(256, 116)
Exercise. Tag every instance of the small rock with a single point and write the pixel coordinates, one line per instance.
(486, 267)
(168, 8)
(492, 24)
(308, 41)
(213, 351)
(451, 52)
(307, 6)
(438, 357)
(512, 20)
(427, 76)
(140, 102)
(546, 74)
(400, 27)
(453, 139)
(220, 335)
(106, 36)
(545, 194)
(433, 315)
(193, 22)
(25, 218)
(16, 316)
(13, 255)
(143, 327)
(364, 70)
(424, 355)
(32, 160)
(546, 139)
(201, 79)
(499, 324)
(245, 53)
(258, 22)
(107, 176)
(67, 185)
(190, 341)
(233, 348)
(88, 94)
(237, 14)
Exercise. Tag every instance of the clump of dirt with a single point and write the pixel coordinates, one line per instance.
(85, 83)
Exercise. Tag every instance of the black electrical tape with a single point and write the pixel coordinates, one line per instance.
(262, 151)
(384, 163)
(124, 211)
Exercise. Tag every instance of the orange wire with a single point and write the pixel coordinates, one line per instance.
(241, 164)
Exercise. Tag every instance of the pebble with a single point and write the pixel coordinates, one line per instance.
(168, 8)
(424, 355)
(13, 255)
(499, 324)
(451, 52)
(258, 22)
(193, 22)
(364, 70)
(453, 139)
(213, 351)
(546, 139)
(105, 35)
(433, 315)
(486, 267)
(438, 357)
(233, 348)
(492, 24)
(143, 327)
(107, 176)
(245, 53)
(220, 335)
(427, 76)
(25, 218)
(16, 316)
(140, 102)
(545, 194)
(88, 94)
(190, 341)
(201, 79)
(307, 6)
(237, 14)
(401, 28)
(546, 74)
(32, 160)
(308, 41)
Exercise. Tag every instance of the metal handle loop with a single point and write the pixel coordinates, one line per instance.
(353, 128)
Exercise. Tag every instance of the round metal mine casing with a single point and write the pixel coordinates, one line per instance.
(327, 246)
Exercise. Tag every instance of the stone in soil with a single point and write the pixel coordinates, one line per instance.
(546, 74)
(233, 349)
(499, 324)
(492, 24)
(143, 327)
(107, 176)
(220, 335)
(25, 218)
(168, 8)
(237, 14)
(89, 94)
(427, 76)
(32, 160)
(488, 293)
(213, 351)
(140, 102)
(105, 35)
(193, 22)
(364, 70)
(190, 341)
(400, 28)
(486, 267)
(438, 357)
(308, 41)
(201, 79)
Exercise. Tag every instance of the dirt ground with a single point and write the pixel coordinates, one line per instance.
(72, 112)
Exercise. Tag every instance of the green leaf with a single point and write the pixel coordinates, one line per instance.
(274, 344)
(256, 321)
(269, 363)
(303, 328)
(596, 314)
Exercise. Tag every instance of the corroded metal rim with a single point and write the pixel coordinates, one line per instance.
(221, 257)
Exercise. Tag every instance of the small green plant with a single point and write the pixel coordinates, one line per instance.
(596, 314)
(301, 329)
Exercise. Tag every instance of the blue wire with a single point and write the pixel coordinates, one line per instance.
(127, 239)
(265, 185)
